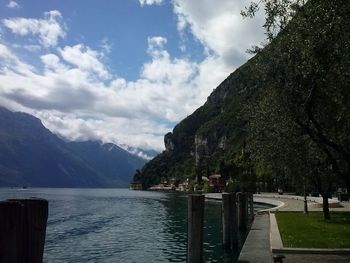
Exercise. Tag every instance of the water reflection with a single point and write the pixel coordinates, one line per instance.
(176, 222)
(118, 225)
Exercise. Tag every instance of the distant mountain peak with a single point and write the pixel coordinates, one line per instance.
(142, 153)
(32, 155)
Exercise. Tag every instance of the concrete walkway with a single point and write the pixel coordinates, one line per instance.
(308, 258)
(296, 203)
(291, 202)
(256, 248)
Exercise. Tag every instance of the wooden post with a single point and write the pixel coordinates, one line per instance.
(234, 229)
(246, 196)
(23, 229)
(11, 232)
(36, 220)
(195, 228)
(229, 221)
(251, 208)
(242, 210)
(226, 219)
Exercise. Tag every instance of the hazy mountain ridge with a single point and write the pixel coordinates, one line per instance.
(33, 156)
(109, 160)
(145, 154)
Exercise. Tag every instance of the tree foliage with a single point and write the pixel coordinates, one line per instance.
(278, 14)
(289, 104)
(307, 109)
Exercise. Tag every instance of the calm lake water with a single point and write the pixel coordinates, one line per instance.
(119, 225)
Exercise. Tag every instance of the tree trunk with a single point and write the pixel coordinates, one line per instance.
(325, 205)
(347, 180)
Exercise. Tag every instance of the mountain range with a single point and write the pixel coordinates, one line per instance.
(31, 155)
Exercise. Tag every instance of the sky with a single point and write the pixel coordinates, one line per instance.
(122, 71)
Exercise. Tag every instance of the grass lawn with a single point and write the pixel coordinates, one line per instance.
(312, 231)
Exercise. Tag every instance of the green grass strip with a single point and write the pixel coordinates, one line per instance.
(301, 230)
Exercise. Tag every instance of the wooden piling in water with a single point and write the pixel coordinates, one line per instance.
(195, 228)
(229, 221)
(11, 245)
(226, 219)
(251, 207)
(246, 196)
(234, 229)
(23, 229)
(242, 210)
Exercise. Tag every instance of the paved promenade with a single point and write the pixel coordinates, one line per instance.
(296, 203)
(291, 203)
(257, 246)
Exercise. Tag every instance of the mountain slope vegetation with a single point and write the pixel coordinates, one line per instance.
(282, 118)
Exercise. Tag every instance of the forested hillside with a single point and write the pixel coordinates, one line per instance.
(280, 120)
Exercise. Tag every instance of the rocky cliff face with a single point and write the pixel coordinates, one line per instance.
(213, 133)
(168, 142)
(207, 144)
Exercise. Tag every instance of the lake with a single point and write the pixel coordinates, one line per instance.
(119, 225)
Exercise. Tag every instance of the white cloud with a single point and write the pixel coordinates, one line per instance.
(163, 69)
(13, 4)
(106, 46)
(150, 2)
(77, 96)
(78, 106)
(10, 63)
(157, 42)
(109, 129)
(52, 62)
(49, 29)
(220, 27)
(32, 48)
(84, 58)
(5, 52)
(137, 113)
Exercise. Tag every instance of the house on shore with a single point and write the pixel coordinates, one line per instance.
(136, 185)
(217, 183)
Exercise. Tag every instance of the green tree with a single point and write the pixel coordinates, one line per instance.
(278, 14)
(311, 72)
(310, 89)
